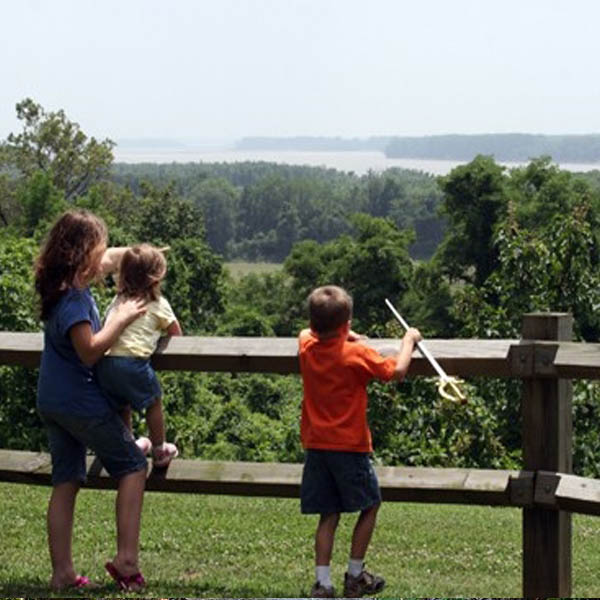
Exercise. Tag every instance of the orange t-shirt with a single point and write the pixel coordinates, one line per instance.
(335, 374)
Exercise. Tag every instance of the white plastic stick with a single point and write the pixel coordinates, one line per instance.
(420, 345)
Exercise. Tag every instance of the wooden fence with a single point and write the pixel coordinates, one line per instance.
(545, 490)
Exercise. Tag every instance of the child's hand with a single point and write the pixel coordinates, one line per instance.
(129, 310)
(412, 334)
(355, 337)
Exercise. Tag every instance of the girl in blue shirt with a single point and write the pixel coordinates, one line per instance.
(75, 412)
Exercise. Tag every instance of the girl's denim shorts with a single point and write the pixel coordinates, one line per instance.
(107, 436)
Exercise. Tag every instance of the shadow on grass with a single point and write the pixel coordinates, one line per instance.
(35, 588)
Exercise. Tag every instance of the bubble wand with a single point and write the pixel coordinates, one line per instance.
(448, 387)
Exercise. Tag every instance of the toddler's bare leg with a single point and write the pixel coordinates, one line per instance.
(324, 538)
(156, 423)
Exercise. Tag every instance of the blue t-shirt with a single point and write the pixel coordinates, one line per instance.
(65, 384)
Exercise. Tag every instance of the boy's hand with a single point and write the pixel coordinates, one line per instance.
(413, 335)
(355, 337)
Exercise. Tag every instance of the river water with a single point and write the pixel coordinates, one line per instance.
(357, 162)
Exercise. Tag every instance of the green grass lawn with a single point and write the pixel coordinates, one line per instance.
(238, 269)
(235, 547)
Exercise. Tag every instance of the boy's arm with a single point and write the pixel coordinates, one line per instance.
(404, 356)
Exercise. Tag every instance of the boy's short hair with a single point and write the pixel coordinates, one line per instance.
(329, 307)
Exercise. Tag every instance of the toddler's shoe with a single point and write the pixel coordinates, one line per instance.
(144, 444)
(320, 591)
(162, 455)
(365, 583)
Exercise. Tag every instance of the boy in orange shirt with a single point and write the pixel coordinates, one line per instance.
(338, 475)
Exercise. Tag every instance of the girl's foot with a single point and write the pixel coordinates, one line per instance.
(80, 582)
(134, 582)
(163, 454)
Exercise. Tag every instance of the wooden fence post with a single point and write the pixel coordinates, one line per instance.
(547, 445)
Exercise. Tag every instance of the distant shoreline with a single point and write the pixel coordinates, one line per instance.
(511, 147)
(358, 162)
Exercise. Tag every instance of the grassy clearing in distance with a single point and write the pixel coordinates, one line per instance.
(238, 269)
(236, 547)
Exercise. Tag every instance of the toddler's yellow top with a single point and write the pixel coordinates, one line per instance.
(140, 337)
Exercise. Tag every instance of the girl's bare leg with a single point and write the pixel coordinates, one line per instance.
(129, 514)
(61, 509)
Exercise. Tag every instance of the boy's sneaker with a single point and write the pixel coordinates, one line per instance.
(320, 591)
(164, 454)
(365, 583)
(144, 444)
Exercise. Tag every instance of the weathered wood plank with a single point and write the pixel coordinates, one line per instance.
(562, 491)
(547, 445)
(578, 360)
(494, 358)
(279, 355)
(23, 349)
(408, 484)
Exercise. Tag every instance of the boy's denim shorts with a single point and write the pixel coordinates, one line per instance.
(128, 381)
(107, 436)
(335, 482)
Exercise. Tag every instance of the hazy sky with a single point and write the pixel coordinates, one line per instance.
(230, 68)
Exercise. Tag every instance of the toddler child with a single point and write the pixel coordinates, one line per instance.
(125, 373)
(338, 475)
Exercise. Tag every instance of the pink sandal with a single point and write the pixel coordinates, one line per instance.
(162, 455)
(81, 583)
(127, 583)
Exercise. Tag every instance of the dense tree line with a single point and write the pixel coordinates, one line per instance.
(515, 241)
(257, 211)
(517, 147)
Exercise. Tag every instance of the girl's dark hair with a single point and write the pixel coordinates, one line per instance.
(142, 269)
(67, 256)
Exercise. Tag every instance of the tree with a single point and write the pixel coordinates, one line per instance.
(51, 143)
(164, 217)
(372, 263)
(40, 200)
(216, 198)
(474, 201)
(548, 269)
(194, 285)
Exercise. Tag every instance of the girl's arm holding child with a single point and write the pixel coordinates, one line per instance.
(90, 346)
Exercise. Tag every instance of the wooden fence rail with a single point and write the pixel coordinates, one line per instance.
(546, 491)
(398, 484)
